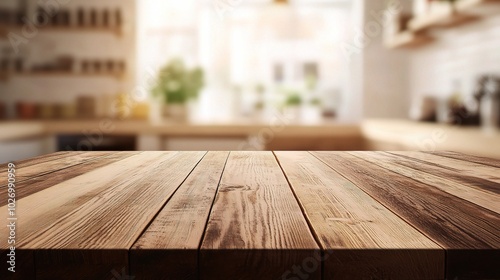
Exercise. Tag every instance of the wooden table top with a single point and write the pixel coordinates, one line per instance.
(254, 215)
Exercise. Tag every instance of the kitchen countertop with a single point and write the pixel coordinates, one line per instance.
(20, 129)
(406, 135)
(255, 215)
(434, 137)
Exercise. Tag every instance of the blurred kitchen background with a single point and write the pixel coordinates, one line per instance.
(88, 75)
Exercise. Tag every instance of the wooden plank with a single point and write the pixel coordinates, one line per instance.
(83, 228)
(41, 159)
(169, 246)
(33, 161)
(435, 177)
(256, 229)
(36, 184)
(463, 228)
(364, 240)
(448, 173)
(35, 170)
(461, 167)
(469, 158)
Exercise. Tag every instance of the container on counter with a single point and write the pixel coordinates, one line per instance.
(86, 107)
(63, 18)
(105, 105)
(26, 111)
(116, 19)
(7, 16)
(121, 67)
(94, 21)
(65, 63)
(110, 66)
(3, 111)
(57, 110)
(19, 65)
(5, 65)
(68, 111)
(122, 107)
(140, 110)
(424, 109)
(97, 66)
(46, 111)
(86, 66)
(490, 105)
(106, 18)
(81, 18)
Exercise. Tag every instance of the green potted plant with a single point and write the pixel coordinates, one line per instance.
(312, 110)
(292, 106)
(259, 103)
(175, 86)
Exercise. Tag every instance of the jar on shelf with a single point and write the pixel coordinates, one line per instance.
(46, 111)
(97, 66)
(65, 63)
(490, 105)
(86, 66)
(26, 111)
(81, 17)
(63, 18)
(3, 111)
(68, 111)
(110, 66)
(94, 22)
(106, 17)
(5, 64)
(86, 107)
(118, 18)
(121, 67)
(19, 65)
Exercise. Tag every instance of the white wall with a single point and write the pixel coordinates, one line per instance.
(459, 54)
(385, 71)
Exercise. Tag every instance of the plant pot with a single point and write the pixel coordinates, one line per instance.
(293, 113)
(176, 112)
(311, 114)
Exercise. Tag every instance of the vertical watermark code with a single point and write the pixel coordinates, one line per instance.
(11, 216)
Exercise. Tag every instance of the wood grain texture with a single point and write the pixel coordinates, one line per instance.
(255, 215)
(42, 159)
(168, 249)
(256, 229)
(461, 167)
(20, 165)
(475, 193)
(29, 170)
(105, 209)
(45, 181)
(64, 162)
(470, 158)
(452, 222)
(355, 230)
(442, 171)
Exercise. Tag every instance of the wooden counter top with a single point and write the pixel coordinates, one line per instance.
(255, 215)
(15, 130)
(234, 129)
(410, 135)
